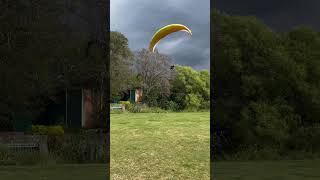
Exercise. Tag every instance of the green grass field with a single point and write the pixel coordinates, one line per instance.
(273, 170)
(160, 146)
(268, 170)
(61, 172)
(165, 146)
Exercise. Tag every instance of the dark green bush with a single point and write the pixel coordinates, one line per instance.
(173, 106)
(47, 130)
(78, 148)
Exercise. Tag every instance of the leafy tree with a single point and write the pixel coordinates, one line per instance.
(120, 56)
(153, 70)
(266, 83)
(191, 88)
(42, 53)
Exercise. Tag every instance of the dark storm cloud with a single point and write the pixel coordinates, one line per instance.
(279, 14)
(139, 19)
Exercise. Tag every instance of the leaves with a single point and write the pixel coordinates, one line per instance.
(266, 83)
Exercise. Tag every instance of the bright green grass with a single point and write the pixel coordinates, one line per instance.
(165, 146)
(272, 170)
(58, 172)
(160, 146)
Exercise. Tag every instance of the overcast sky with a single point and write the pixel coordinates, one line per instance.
(138, 20)
(281, 15)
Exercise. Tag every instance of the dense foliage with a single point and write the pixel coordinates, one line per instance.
(190, 89)
(267, 86)
(120, 56)
(46, 47)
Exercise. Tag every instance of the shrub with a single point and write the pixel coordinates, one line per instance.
(135, 108)
(47, 130)
(78, 148)
(173, 106)
(143, 108)
(55, 130)
(126, 104)
(205, 105)
(256, 153)
(297, 141)
(4, 153)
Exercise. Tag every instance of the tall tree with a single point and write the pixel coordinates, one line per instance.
(120, 63)
(155, 73)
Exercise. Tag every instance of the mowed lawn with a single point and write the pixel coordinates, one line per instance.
(268, 170)
(165, 146)
(57, 172)
(160, 146)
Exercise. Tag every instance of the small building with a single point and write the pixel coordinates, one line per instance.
(135, 95)
(74, 108)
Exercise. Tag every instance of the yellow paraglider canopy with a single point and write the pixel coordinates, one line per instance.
(163, 32)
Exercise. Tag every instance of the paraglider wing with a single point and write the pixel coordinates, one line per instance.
(165, 31)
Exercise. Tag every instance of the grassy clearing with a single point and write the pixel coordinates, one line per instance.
(62, 172)
(165, 146)
(268, 170)
(160, 146)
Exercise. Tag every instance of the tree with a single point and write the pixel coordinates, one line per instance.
(191, 88)
(44, 52)
(120, 56)
(266, 83)
(154, 71)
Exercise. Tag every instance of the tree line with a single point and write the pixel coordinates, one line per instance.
(164, 85)
(266, 87)
(46, 47)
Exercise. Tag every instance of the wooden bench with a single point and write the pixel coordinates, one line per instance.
(24, 143)
(118, 108)
(25, 147)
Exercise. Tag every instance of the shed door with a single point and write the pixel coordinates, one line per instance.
(74, 108)
(132, 95)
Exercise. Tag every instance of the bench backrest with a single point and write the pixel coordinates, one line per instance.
(21, 142)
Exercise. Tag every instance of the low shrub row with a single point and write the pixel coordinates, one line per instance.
(143, 108)
(47, 130)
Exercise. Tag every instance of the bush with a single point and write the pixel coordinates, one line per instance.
(205, 105)
(78, 148)
(153, 110)
(48, 130)
(143, 108)
(255, 153)
(297, 140)
(4, 153)
(135, 108)
(173, 106)
(126, 104)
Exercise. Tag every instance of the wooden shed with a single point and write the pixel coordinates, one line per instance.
(76, 108)
(135, 95)
(81, 108)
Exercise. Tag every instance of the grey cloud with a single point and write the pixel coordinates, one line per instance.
(280, 15)
(139, 19)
